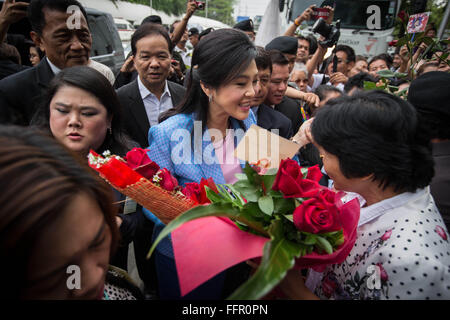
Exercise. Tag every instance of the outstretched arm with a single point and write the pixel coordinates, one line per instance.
(181, 27)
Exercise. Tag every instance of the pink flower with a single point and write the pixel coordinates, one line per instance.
(441, 232)
(387, 235)
(383, 274)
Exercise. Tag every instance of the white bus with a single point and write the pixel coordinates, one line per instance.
(366, 25)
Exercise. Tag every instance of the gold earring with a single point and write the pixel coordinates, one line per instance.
(321, 156)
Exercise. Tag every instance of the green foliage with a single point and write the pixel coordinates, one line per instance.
(221, 10)
(256, 208)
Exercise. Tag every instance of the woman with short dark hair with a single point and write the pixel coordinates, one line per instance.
(370, 145)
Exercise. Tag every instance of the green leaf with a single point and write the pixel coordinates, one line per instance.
(290, 217)
(369, 85)
(386, 73)
(241, 176)
(310, 239)
(400, 74)
(212, 196)
(275, 194)
(250, 173)
(212, 210)
(247, 190)
(278, 258)
(324, 244)
(283, 206)
(266, 205)
(237, 194)
(268, 181)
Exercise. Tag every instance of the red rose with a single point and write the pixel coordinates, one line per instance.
(314, 173)
(138, 160)
(192, 191)
(290, 181)
(168, 182)
(197, 192)
(318, 215)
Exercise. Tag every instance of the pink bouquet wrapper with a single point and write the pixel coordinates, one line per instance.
(205, 247)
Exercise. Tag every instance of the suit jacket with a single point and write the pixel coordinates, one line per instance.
(7, 68)
(268, 118)
(135, 117)
(291, 109)
(21, 93)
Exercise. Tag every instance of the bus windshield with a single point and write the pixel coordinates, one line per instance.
(353, 14)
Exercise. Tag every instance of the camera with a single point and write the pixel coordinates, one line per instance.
(330, 32)
(200, 5)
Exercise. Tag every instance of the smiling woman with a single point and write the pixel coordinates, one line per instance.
(219, 96)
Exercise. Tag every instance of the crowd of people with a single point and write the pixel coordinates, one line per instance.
(391, 150)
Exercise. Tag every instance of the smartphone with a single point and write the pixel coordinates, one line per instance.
(320, 13)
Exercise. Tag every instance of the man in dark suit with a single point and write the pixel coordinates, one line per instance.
(64, 46)
(150, 94)
(266, 116)
(277, 88)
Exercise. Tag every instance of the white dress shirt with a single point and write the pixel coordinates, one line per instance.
(154, 106)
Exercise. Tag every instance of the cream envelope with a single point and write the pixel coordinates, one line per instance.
(259, 144)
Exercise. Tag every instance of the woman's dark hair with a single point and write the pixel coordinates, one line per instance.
(150, 29)
(323, 90)
(92, 81)
(36, 14)
(39, 51)
(40, 178)
(219, 58)
(358, 81)
(376, 133)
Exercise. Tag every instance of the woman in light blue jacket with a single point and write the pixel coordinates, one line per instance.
(197, 138)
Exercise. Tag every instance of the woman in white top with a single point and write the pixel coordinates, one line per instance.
(370, 145)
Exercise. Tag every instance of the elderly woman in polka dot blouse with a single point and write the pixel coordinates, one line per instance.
(371, 147)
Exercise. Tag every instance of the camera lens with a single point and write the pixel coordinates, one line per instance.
(322, 28)
(201, 6)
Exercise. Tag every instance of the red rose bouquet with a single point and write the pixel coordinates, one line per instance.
(141, 179)
(283, 215)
